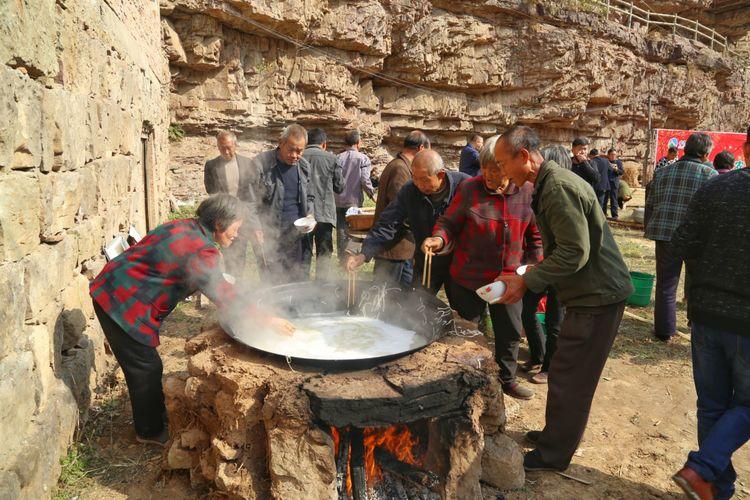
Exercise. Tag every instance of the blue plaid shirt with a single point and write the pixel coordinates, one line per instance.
(670, 193)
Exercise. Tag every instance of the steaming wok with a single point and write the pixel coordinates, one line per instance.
(384, 324)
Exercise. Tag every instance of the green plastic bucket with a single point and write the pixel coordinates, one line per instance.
(643, 284)
(541, 318)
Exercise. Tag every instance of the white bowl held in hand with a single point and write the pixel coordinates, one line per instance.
(305, 224)
(491, 292)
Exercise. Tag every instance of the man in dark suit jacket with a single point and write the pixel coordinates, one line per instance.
(230, 173)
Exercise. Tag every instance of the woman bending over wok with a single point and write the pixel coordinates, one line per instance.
(140, 287)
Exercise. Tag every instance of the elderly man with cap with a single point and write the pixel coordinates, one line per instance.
(584, 265)
(280, 184)
(418, 205)
(230, 173)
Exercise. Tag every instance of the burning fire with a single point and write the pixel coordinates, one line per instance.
(397, 439)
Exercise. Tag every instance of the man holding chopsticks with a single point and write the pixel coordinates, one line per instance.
(417, 206)
(490, 229)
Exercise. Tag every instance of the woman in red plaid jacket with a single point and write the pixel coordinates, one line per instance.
(140, 287)
(490, 228)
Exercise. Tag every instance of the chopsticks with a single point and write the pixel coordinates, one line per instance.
(352, 290)
(427, 271)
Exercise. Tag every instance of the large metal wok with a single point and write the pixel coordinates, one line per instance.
(420, 316)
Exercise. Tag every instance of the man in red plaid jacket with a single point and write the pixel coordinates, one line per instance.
(140, 287)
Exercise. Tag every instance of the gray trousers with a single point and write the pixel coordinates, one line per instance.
(585, 339)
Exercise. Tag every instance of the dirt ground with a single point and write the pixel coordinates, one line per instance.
(641, 428)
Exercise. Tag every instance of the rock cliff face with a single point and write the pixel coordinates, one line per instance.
(83, 118)
(447, 67)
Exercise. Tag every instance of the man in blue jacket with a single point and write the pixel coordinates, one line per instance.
(417, 206)
(468, 163)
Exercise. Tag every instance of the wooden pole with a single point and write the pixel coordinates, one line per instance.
(647, 165)
(697, 24)
(674, 25)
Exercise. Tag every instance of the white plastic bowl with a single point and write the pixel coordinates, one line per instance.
(305, 225)
(491, 292)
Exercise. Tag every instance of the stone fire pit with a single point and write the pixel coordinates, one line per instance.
(249, 425)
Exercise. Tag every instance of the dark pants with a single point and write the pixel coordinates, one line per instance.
(721, 371)
(322, 238)
(342, 237)
(612, 199)
(235, 255)
(602, 197)
(395, 272)
(585, 340)
(287, 258)
(542, 344)
(439, 276)
(142, 367)
(668, 269)
(506, 323)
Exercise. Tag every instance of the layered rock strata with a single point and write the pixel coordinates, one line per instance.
(449, 68)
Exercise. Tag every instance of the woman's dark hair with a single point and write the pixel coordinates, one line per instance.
(219, 211)
(724, 161)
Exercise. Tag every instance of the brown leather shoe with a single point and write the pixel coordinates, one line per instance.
(694, 486)
(516, 390)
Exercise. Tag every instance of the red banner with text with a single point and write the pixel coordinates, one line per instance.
(723, 141)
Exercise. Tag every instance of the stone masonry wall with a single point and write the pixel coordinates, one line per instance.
(467, 66)
(83, 100)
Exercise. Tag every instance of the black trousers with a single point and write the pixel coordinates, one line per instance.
(143, 369)
(602, 197)
(439, 275)
(322, 238)
(585, 340)
(506, 323)
(342, 237)
(542, 346)
(613, 202)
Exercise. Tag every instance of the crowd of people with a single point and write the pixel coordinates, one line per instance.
(531, 217)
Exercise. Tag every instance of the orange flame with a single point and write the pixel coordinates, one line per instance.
(397, 439)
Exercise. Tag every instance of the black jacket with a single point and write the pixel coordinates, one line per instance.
(410, 210)
(714, 240)
(586, 171)
(267, 188)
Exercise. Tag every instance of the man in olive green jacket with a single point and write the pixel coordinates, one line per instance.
(585, 267)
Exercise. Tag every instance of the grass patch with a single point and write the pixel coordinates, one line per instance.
(75, 471)
(186, 211)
